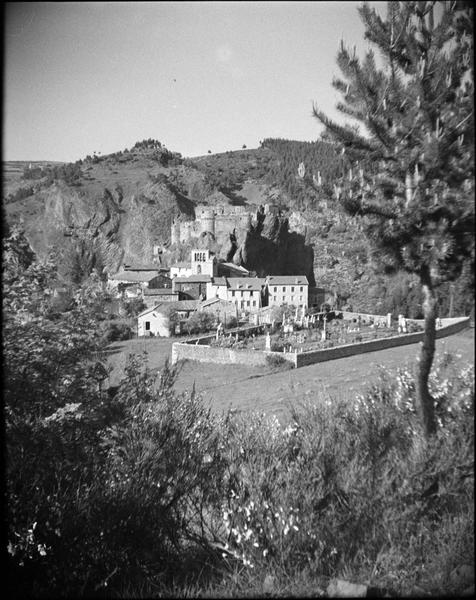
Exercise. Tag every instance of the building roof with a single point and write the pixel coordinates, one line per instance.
(193, 279)
(222, 302)
(219, 281)
(134, 276)
(287, 280)
(232, 267)
(187, 305)
(159, 292)
(246, 283)
(147, 267)
(181, 265)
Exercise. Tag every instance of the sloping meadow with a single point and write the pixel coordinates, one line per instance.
(180, 501)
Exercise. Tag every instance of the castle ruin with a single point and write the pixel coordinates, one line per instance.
(218, 220)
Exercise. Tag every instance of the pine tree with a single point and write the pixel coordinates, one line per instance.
(413, 119)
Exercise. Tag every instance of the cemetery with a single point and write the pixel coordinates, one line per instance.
(310, 339)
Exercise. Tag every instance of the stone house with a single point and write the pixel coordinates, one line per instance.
(155, 296)
(181, 269)
(129, 278)
(217, 288)
(193, 287)
(292, 290)
(162, 320)
(246, 292)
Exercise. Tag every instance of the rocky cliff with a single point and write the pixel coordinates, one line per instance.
(269, 248)
(120, 208)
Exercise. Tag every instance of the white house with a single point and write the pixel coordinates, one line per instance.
(217, 288)
(246, 292)
(181, 269)
(288, 289)
(157, 320)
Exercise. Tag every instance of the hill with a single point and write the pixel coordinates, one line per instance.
(105, 210)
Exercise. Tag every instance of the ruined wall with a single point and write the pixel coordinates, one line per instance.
(219, 220)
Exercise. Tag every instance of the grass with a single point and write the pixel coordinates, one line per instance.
(273, 391)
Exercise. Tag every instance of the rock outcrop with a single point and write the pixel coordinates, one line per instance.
(269, 248)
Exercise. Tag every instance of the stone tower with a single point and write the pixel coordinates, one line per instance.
(207, 220)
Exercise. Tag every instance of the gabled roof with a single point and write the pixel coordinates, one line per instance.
(134, 276)
(193, 279)
(187, 305)
(232, 267)
(246, 283)
(148, 267)
(287, 280)
(212, 301)
(219, 281)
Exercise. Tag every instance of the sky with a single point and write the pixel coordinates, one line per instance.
(85, 77)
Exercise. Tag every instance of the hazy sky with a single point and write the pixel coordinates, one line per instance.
(83, 77)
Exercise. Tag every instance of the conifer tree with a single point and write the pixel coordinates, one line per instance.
(410, 149)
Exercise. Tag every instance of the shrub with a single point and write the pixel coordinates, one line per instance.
(277, 361)
(116, 332)
(199, 322)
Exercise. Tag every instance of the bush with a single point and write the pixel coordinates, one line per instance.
(118, 332)
(199, 322)
(134, 306)
(276, 361)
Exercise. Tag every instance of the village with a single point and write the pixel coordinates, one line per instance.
(206, 285)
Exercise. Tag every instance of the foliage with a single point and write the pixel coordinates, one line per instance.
(320, 161)
(134, 306)
(70, 173)
(417, 125)
(200, 322)
(20, 194)
(118, 332)
(275, 360)
(143, 489)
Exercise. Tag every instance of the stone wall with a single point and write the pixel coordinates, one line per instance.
(450, 326)
(202, 353)
(200, 350)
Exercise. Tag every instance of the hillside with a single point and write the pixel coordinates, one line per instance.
(105, 210)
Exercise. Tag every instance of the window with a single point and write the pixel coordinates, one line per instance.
(275, 289)
(147, 325)
(254, 302)
(292, 288)
(248, 303)
(251, 294)
(233, 293)
(284, 289)
(300, 289)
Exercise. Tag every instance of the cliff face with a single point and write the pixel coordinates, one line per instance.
(269, 248)
(120, 208)
(105, 220)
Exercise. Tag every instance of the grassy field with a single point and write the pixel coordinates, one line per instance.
(256, 388)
